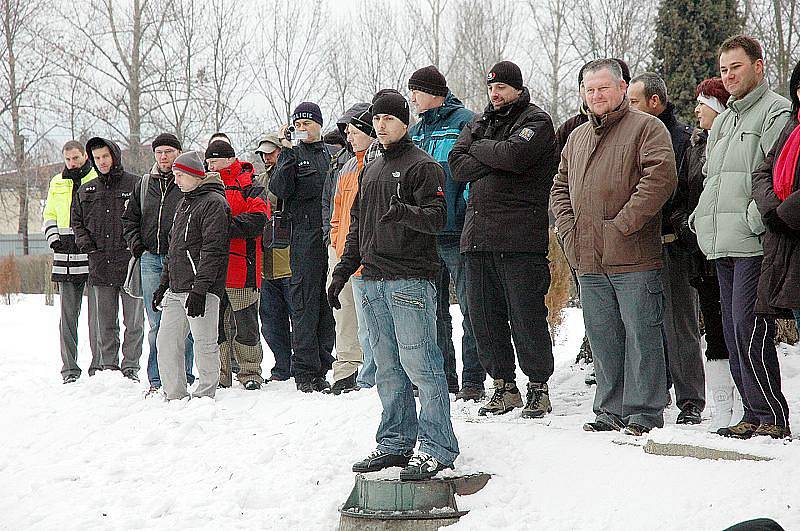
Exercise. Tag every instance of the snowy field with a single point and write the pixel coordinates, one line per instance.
(96, 455)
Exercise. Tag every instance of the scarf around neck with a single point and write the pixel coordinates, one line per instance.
(786, 166)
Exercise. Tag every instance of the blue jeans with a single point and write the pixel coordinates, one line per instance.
(152, 266)
(275, 324)
(366, 374)
(624, 316)
(401, 321)
(473, 374)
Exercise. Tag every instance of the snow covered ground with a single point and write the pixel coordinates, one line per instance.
(96, 455)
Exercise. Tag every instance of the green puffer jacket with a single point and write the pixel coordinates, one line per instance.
(726, 220)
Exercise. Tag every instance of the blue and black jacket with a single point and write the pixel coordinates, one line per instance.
(436, 133)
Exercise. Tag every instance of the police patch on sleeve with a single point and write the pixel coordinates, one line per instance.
(526, 134)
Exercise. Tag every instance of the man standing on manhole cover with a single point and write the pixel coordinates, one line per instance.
(399, 209)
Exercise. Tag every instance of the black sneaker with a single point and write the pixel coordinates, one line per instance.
(690, 414)
(305, 387)
(378, 460)
(345, 385)
(320, 384)
(599, 425)
(70, 379)
(130, 374)
(469, 392)
(537, 401)
(636, 430)
(252, 385)
(421, 467)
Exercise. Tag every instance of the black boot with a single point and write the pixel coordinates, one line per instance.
(378, 460)
(690, 414)
(345, 385)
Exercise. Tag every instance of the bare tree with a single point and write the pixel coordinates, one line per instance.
(612, 28)
(179, 108)
(776, 23)
(25, 69)
(290, 50)
(484, 36)
(121, 40)
(550, 39)
(389, 45)
(340, 66)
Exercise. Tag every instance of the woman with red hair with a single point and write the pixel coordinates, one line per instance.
(727, 404)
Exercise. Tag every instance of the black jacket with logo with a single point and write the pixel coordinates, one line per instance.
(97, 220)
(509, 156)
(148, 221)
(403, 249)
(199, 241)
(298, 180)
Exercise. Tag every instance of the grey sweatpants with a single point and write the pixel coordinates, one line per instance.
(171, 346)
(108, 298)
(71, 295)
(682, 329)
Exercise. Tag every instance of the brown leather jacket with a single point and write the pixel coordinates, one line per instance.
(616, 173)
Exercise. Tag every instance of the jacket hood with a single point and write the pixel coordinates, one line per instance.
(450, 105)
(212, 182)
(156, 173)
(515, 106)
(116, 154)
(238, 171)
(78, 173)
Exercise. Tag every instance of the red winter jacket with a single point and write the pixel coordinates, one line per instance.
(248, 217)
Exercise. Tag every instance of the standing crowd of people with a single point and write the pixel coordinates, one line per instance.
(352, 240)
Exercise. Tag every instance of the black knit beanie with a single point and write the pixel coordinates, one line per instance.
(505, 72)
(307, 111)
(363, 122)
(167, 139)
(391, 103)
(428, 80)
(219, 149)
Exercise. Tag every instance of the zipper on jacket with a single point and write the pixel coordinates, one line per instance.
(186, 234)
(191, 261)
(160, 209)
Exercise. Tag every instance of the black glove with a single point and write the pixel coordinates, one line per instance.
(336, 287)
(196, 304)
(138, 250)
(775, 224)
(158, 296)
(396, 210)
(688, 237)
(57, 246)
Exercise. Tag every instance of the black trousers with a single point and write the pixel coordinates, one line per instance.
(708, 294)
(505, 294)
(313, 327)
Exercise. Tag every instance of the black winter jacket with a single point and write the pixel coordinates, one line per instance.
(405, 249)
(199, 241)
(681, 135)
(509, 156)
(563, 132)
(97, 220)
(149, 224)
(684, 201)
(298, 179)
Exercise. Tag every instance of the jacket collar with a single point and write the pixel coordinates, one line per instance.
(743, 104)
(78, 173)
(156, 173)
(667, 116)
(448, 107)
(605, 122)
(512, 109)
(393, 151)
(239, 172)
